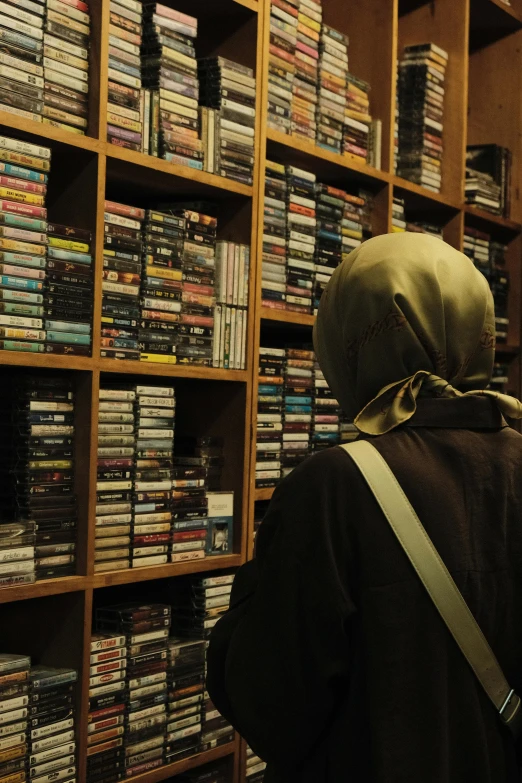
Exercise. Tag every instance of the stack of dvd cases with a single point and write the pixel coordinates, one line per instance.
(115, 474)
(305, 92)
(269, 437)
(69, 295)
(66, 64)
(255, 767)
(281, 63)
(398, 216)
(155, 419)
(52, 745)
(301, 240)
(186, 690)
(21, 67)
(357, 119)
(122, 251)
(421, 111)
(326, 414)
(125, 105)
(332, 94)
(298, 398)
(273, 273)
(161, 285)
(146, 630)
(23, 240)
(14, 701)
(228, 89)
(330, 205)
(107, 707)
(170, 71)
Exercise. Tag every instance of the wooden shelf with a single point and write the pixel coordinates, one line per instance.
(47, 361)
(287, 317)
(436, 199)
(27, 128)
(184, 765)
(504, 349)
(171, 370)
(479, 218)
(132, 575)
(264, 493)
(66, 584)
(252, 5)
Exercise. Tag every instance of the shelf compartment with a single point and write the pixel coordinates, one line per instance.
(491, 20)
(133, 575)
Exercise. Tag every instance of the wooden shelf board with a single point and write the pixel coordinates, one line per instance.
(48, 132)
(252, 5)
(287, 317)
(132, 575)
(507, 350)
(171, 370)
(322, 162)
(492, 222)
(427, 195)
(66, 584)
(47, 361)
(264, 493)
(152, 166)
(169, 770)
(491, 20)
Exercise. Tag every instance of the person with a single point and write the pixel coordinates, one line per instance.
(332, 661)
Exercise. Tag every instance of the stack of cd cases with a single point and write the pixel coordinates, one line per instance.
(107, 708)
(281, 64)
(170, 72)
(21, 59)
(66, 64)
(125, 106)
(115, 477)
(269, 434)
(121, 281)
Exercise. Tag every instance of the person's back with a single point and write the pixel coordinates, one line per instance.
(338, 667)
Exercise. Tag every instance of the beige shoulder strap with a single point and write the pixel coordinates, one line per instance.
(437, 580)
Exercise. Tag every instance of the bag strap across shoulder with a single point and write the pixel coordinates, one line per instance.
(437, 580)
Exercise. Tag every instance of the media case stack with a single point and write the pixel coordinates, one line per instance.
(230, 313)
(330, 204)
(170, 72)
(66, 64)
(398, 216)
(421, 114)
(499, 283)
(155, 420)
(23, 244)
(477, 248)
(14, 711)
(298, 398)
(125, 108)
(107, 708)
(488, 178)
(305, 87)
(52, 745)
(332, 95)
(326, 413)
(115, 475)
(186, 688)
(281, 64)
(122, 250)
(273, 272)
(21, 61)
(301, 239)
(69, 300)
(228, 114)
(269, 434)
(356, 225)
(357, 120)
(255, 767)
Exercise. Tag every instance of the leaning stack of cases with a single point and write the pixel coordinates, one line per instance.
(38, 463)
(281, 63)
(305, 86)
(161, 286)
(170, 72)
(332, 94)
(107, 708)
(186, 691)
(330, 204)
(69, 296)
(298, 398)
(255, 767)
(273, 272)
(146, 630)
(326, 413)
(357, 118)
(125, 104)
(115, 476)
(197, 605)
(269, 434)
(21, 68)
(66, 64)
(155, 420)
(52, 745)
(230, 312)
(301, 240)
(398, 216)
(14, 711)
(122, 250)
(421, 111)
(23, 244)
(228, 97)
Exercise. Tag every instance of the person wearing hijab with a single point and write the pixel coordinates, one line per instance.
(332, 662)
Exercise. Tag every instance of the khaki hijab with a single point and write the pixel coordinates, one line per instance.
(403, 315)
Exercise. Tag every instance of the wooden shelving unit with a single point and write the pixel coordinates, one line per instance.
(52, 620)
